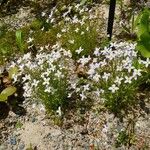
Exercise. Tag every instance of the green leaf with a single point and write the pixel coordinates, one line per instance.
(19, 40)
(143, 25)
(12, 71)
(3, 97)
(9, 91)
(145, 53)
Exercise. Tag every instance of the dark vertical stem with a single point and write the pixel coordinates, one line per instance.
(111, 18)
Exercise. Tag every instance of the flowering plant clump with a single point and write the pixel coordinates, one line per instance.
(78, 28)
(46, 76)
(110, 76)
(78, 68)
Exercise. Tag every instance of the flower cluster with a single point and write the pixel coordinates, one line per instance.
(110, 74)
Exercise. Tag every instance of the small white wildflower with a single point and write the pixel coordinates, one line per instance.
(59, 35)
(30, 40)
(113, 88)
(87, 29)
(137, 72)
(147, 62)
(46, 81)
(59, 74)
(96, 51)
(48, 89)
(82, 95)
(42, 108)
(52, 20)
(78, 51)
(27, 56)
(35, 83)
(82, 33)
(59, 111)
(84, 60)
(26, 77)
(128, 79)
(91, 72)
(96, 77)
(76, 30)
(129, 67)
(86, 87)
(106, 76)
(118, 80)
(64, 30)
(33, 105)
(43, 14)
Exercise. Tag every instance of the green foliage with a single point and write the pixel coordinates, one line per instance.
(143, 32)
(12, 71)
(18, 124)
(7, 92)
(19, 40)
(10, 90)
(122, 139)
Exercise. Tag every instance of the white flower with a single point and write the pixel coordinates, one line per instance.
(147, 62)
(82, 95)
(30, 40)
(59, 74)
(96, 77)
(33, 105)
(137, 72)
(42, 108)
(59, 111)
(91, 71)
(48, 89)
(35, 83)
(63, 30)
(106, 76)
(129, 67)
(78, 51)
(84, 60)
(118, 80)
(113, 88)
(27, 56)
(128, 79)
(76, 30)
(96, 52)
(26, 77)
(46, 81)
(58, 35)
(43, 14)
(86, 87)
(82, 33)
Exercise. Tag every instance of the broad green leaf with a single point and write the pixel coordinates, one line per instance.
(9, 90)
(145, 40)
(143, 50)
(3, 97)
(12, 71)
(144, 23)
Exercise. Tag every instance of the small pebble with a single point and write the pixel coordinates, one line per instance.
(13, 141)
(21, 146)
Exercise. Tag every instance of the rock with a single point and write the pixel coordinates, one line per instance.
(21, 146)
(3, 147)
(13, 141)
